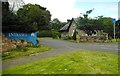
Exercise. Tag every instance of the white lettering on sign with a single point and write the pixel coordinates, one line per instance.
(9, 34)
(32, 34)
(22, 34)
(19, 34)
(15, 34)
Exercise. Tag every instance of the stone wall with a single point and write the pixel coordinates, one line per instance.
(72, 29)
(8, 44)
(100, 36)
(90, 39)
(64, 35)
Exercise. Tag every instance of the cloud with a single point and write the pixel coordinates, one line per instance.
(61, 9)
(66, 9)
(97, 0)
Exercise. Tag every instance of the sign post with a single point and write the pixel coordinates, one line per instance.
(114, 30)
(114, 20)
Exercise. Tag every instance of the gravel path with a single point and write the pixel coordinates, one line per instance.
(60, 47)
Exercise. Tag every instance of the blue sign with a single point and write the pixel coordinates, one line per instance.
(29, 37)
(113, 20)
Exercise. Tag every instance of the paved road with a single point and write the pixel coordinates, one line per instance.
(60, 47)
(62, 44)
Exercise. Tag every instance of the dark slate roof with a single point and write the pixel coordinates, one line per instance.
(64, 28)
(67, 26)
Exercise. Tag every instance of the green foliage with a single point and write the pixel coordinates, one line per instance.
(45, 33)
(56, 24)
(10, 20)
(87, 13)
(89, 25)
(81, 62)
(113, 40)
(68, 38)
(108, 25)
(71, 37)
(55, 34)
(49, 33)
(29, 18)
(34, 17)
(117, 24)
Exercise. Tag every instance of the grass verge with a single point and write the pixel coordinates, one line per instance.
(26, 51)
(82, 62)
(108, 41)
(115, 40)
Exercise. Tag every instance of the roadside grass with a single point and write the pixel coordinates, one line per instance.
(81, 62)
(108, 41)
(74, 41)
(115, 40)
(25, 51)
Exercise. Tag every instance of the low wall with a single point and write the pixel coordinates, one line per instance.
(10, 44)
(91, 39)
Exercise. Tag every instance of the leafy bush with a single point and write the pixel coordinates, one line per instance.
(68, 38)
(49, 33)
(55, 34)
(45, 33)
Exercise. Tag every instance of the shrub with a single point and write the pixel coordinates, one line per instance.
(55, 34)
(68, 38)
(45, 33)
(49, 33)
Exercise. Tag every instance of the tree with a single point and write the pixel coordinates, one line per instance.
(34, 17)
(9, 19)
(117, 28)
(87, 13)
(108, 26)
(56, 24)
(89, 25)
(29, 18)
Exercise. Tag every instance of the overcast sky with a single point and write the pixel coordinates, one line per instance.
(66, 9)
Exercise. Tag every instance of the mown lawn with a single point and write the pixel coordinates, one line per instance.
(82, 62)
(26, 51)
